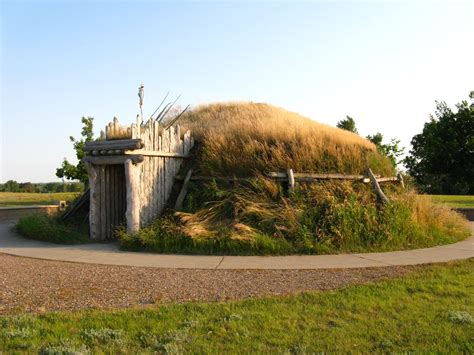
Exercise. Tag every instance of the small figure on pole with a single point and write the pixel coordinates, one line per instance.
(141, 95)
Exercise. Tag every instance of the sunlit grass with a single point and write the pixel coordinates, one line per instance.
(428, 311)
(458, 201)
(34, 199)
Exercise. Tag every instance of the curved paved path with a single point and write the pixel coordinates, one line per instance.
(109, 254)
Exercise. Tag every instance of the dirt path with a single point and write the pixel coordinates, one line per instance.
(31, 285)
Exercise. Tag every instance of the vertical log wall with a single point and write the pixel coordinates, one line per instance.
(156, 173)
(108, 199)
(129, 184)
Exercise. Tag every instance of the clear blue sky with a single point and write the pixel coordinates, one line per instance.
(382, 62)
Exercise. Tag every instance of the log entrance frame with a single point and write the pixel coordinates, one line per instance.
(131, 174)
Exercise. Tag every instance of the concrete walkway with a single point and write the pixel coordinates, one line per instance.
(109, 254)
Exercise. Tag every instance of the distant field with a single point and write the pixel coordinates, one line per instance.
(10, 199)
(455, 200)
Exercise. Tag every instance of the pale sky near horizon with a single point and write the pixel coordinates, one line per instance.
(384, 63)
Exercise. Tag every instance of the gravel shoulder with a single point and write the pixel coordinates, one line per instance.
(32, 285)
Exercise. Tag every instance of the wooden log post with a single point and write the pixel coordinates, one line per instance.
(378, 191)
(103, 206)
(400, 180)
(291, 180)
(94, 212)
(184, 189)
(132, 179)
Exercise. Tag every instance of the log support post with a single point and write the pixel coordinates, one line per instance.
(94, 209)
(184, 190)
(400, 179)
(291, 180)
(378, 191)
(132, 180)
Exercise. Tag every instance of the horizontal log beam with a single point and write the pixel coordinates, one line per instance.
(157, 153)
(282, 175)
(120, 144)
(210, 178)
(112, 159)
(387, 179)
(312, 179)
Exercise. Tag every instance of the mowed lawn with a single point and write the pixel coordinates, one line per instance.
(455, 200)
(8, 199)
(430, 310)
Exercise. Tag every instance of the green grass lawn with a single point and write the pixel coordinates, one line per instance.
(430, 310)
(455, 200)
(10, 199)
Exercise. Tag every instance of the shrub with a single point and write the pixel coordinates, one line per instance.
(64, 348)
(460, 317)
(103, 336)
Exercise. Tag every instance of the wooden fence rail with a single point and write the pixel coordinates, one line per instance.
(290, 178)
(298, 177)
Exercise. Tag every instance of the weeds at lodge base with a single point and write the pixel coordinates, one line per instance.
(261, 218)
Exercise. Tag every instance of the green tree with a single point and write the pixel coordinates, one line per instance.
(27, 187)
(75, 187)
(78, 172)
(442, 156)
(53, 187)
(348, 124)
(392, 149)
(11, 186)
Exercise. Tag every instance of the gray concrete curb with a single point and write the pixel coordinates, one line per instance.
(109, 254)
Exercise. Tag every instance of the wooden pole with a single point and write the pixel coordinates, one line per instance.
(94, 220)
(154, 153)
(102, 204)
(132, 176)
(184, 189)
(291, 179)
(108, 198)
(400, 179)
(377, 189)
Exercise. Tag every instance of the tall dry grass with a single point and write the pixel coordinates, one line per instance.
(435, 219)
(344, 215)
(244, 138)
